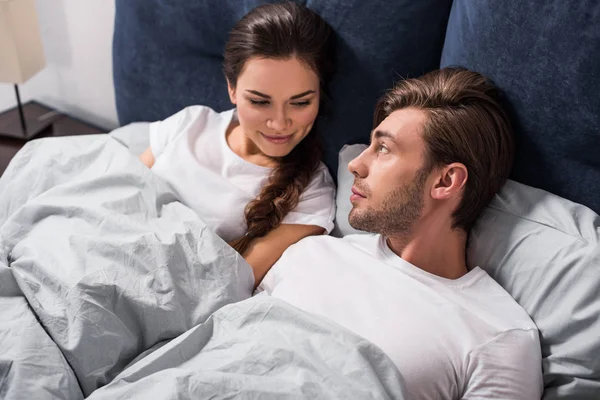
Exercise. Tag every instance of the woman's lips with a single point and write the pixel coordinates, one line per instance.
(278, 139)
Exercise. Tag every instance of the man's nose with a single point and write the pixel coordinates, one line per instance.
(357, 166)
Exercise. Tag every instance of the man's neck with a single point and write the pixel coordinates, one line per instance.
(436, 249)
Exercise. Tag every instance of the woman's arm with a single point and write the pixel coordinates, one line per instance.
(263, 252)
(147, 157)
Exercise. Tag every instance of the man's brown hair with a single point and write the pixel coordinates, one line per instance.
(466, 124)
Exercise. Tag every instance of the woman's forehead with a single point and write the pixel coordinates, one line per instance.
(278, 77)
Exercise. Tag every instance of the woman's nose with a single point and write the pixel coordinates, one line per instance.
(279, 122)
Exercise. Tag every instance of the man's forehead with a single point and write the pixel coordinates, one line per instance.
(404, 125)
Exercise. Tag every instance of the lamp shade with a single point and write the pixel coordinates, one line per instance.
(21, 51)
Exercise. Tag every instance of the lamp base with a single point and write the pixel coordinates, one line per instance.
(37, 118)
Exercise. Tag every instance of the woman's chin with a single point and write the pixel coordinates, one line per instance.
(277, 152)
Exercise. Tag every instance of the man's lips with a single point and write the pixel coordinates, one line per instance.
(356, 194)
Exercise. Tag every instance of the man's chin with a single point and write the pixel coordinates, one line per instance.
(358, 221)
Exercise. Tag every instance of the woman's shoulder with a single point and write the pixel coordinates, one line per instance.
(201, 111)
(322, 177)
(316, 205)
(321, 185)
(196, 119)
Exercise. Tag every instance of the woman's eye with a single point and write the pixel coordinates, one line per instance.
(258, 102)
(301, 103)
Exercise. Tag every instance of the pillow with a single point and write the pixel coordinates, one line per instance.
(544, 251)
(134, 136)
(345, 180)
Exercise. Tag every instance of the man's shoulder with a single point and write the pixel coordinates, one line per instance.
(363, 240)
(360, 241)
(498, 308)
(339, 248)
(354, 240)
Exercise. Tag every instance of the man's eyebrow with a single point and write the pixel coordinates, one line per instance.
(378, 134)
(266, 96)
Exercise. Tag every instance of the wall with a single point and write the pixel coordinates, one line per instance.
(77, 79)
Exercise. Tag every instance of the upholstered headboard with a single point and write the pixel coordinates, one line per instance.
(168, 54)
(545, 54)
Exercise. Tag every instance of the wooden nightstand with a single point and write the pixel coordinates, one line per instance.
(57, 125)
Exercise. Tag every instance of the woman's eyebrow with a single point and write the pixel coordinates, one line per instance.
(259, 94)
(297, 96)
(266, 96)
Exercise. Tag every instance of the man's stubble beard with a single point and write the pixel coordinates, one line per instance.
(398, 212)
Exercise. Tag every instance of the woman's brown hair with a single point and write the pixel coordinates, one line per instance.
(466, 123)
(280, 31)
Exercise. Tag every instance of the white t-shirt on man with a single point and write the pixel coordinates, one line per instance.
(192, 155)
(450, 339)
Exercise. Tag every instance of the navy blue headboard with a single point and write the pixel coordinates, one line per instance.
(544, 53)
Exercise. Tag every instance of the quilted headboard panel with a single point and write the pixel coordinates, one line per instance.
(167, 54)
(545, 54)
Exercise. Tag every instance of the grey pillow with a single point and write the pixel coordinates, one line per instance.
(345, 180)
(545, 252)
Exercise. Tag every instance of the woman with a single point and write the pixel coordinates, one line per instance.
(254, 173)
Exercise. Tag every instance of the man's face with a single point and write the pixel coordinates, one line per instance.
(390, 176)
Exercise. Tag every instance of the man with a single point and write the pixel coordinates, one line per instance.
(441, 149)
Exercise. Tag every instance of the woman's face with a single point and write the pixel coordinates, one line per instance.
(277, 103)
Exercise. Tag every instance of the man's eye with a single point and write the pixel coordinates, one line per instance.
(382, 149)
(258, 102)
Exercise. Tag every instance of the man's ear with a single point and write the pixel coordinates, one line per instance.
(231, 91)
(450, 181)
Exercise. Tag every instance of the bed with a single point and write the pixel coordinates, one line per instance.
(98, 297)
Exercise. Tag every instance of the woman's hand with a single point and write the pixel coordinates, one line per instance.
(147, 157)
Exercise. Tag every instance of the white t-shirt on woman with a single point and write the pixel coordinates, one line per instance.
(191, 153)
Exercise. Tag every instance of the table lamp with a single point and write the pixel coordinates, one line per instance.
(21, 57)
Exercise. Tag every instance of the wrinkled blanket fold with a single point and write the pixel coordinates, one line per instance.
(99, 263)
